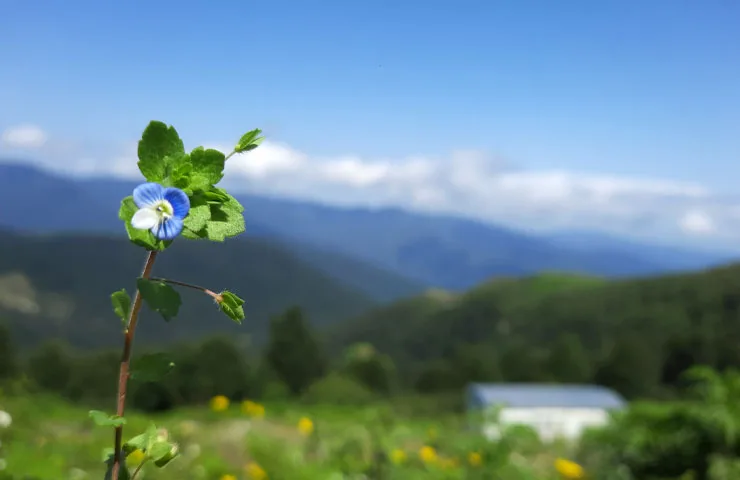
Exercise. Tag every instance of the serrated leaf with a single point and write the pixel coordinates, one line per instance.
(208, 168)
(142, 238)
(104, 420)
(227, 220)
(231, 305)
(158, 142)
(200, 213)
(121, 305)
(160, 297)
(151, 367)
(249, 141)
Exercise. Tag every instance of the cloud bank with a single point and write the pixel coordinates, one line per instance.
(467, 183)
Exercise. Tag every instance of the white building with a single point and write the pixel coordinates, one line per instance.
(554, 411)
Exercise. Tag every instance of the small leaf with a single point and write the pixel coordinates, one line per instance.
(142, 238)
(104, 420)
(172, 452)
(121, 304)
(208, 168)
(249, 141)
(158, 142)
(151, 367)
(231, 305)
(160, 297)
(139, 442)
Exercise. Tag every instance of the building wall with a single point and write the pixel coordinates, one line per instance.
(550, 423)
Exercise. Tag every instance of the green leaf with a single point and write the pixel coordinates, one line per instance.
(160, 297)
(163, 452)
(198, 217)
(151, 367)
(249, 141)
(104, 420)
(231, 305)
(157, 142)
(121, 305)
(142, 238)
(227, 220)
(139, 442)
(208, 168)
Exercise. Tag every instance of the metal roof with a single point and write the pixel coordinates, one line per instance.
(542, 395)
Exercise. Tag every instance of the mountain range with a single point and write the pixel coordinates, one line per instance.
(385, 253)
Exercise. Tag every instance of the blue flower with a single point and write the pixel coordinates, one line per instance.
(161, 210)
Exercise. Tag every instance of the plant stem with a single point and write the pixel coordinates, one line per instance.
(208, 292)
(124, 371)
(230, 155)
(138, 469)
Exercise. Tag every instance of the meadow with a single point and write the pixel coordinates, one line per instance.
(53, 439)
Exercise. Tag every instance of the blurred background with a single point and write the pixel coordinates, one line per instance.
(484, 239)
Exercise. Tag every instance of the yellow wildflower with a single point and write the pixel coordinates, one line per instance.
(253, 409)
(475, 459)
(305, 426)
(569, 469)
(255, 472)
(219, 403)
(428, 454)
(228, 477)
(135, 457)
(398, 456)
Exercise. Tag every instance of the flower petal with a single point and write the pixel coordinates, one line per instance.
(168, 229)
(144, 219)
(179, 201)
(148, 194)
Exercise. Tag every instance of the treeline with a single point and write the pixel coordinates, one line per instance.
(637, 336)
(293, 364)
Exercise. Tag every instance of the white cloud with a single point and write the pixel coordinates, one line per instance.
(466, 183)
(697, 222)
(23, 137)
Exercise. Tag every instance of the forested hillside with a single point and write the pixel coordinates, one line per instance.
(634, 335)
(59, 287)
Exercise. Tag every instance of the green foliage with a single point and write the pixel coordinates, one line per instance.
(160, 297)
(121, 305)
(159, 148)
(338, 389)
(231, 305)
(293, 353)
(151, 367)
(8, 359)
(249, 141)
(102, 419)
(374, 370)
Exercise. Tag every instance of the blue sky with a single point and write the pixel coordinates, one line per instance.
(623, 90)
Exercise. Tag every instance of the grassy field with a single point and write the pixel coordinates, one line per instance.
(50, 439)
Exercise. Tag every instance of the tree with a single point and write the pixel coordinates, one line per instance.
(50, 367)
(567, 361)
(293, 352)
(632, 367)
(372, 369)
(8, 359)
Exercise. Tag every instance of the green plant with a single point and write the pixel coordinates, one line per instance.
(180, 197)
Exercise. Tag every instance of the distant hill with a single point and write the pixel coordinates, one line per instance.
(659, 325)
(407, 251)
(53, 204)
(60, 286)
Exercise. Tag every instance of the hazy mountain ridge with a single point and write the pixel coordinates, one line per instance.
(405, 251)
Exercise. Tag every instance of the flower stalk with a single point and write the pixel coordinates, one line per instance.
(125, 368)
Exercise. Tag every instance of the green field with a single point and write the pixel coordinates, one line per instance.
(51, 439)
